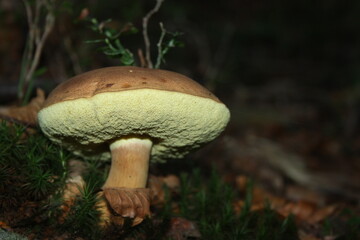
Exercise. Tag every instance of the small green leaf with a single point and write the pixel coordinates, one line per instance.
(119, 45)
(112, 52)
(127, 58)
(94, 21)
(108, 33)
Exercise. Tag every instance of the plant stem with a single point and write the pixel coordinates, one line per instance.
(159, 44)
(35, 43)
(145, 32)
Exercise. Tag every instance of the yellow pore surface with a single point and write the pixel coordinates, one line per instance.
(176, 122)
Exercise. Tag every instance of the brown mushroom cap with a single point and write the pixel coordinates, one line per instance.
(91, 110)
(116, 79)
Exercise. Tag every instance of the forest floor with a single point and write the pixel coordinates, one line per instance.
(276, 173)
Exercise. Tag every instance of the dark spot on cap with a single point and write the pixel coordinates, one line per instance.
(125, 85)
(163, 80)
(67, 91)
(109, 85)
(144, 82)
(144, 78)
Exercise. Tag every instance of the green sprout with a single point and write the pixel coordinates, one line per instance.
(111, 44)
(164, 45)
(110, 38)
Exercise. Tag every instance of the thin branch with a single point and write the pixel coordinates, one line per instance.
(145, 31)
(141, 58)
(49, 23)
(31, 37)
(159, 45)
(28, 12)
(35, 41)
(28, 51)
(35, 28)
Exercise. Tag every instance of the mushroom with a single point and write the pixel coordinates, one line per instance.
(132, 115)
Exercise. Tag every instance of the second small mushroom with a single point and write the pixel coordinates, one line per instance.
(135, 115)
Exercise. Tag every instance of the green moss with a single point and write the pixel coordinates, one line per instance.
(346, 226)
(33, 175)
(31, 168)
(83, 216)
(210, 204)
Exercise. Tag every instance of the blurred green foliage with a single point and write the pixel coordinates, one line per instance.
(314, 44)
(111, 41)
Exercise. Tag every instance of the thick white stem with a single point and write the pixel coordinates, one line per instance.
(129, 163)
(124, 188)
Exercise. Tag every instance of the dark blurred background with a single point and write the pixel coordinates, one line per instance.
(288, 70)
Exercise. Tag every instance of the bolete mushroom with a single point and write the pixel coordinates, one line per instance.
(138, 114)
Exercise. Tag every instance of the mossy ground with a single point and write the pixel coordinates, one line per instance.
(33, 175)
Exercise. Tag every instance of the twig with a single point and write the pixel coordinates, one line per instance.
(145, 32)
(27, 55)
(141, 58)
(159, 45)
(35, 41)
(40, 41)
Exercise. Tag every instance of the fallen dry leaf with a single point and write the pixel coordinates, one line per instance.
(5, 226)
(156, 185)
(74, 184)
(182, 229)
(322, 213)
(296, 193)
(306, 236)
(302, 210)
(71, 192)
(307, 211)
(26, 114)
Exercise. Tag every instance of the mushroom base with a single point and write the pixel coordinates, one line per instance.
(129, 202)
(125, 188)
